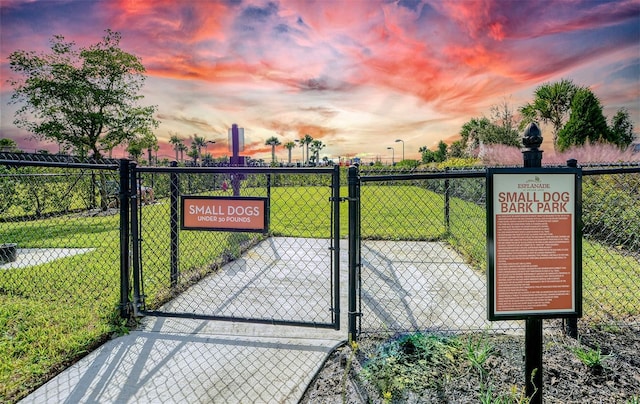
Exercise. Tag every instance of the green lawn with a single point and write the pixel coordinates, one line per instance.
(53, 313)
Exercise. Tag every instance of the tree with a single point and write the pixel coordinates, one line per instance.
(473, 132)
(441, 153)
(85, 98)
(197, 143)
(177, 143)
(316, 146)
(289, 146)
(149, 142)
(430, 156)
(622, 128)
(456, 149)
(504, 126)
(182, 148)
(552, 104)
(273, 142)
(193, 153)
(135, 149)
(8, 145)
(306, 141)
(586, 122)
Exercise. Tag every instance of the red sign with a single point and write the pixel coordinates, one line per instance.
(224, 214)
(532, 258)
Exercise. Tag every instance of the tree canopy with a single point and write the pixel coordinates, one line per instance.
(551, 104)
(622, 128)
(86, 98)
(586, 122)
(316, 146)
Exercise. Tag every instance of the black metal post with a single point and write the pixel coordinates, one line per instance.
(352, 182)
(335, 193)
(268, 207)
(173, 206)
(572, 323)
(532, 156)
(135, 237)
(124, 238)
(92, 199)
(446, 201)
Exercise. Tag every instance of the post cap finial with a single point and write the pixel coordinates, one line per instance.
(532, 137)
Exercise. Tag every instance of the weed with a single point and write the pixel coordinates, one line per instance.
(120, 328)
(411, 362)
(592, 358)
(478, 352)
(514, 396)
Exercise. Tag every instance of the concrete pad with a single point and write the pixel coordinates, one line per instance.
(26, 257)
(413, 285)
(161, 367)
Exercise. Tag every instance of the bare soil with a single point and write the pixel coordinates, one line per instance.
(566, 379)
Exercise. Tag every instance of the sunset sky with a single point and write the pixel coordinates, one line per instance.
(356, 74)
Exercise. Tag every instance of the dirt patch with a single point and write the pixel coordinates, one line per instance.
(566, 378)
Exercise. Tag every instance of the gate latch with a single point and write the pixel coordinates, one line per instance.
(342, 199)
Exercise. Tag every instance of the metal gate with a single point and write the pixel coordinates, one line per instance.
(285, 272)
(403, 273)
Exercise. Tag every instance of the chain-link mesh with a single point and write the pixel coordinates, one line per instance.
(286, 277)
(59, 267)
(611, 244)
(423, 250)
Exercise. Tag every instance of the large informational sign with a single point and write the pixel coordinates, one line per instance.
(534, 243)
(224, 213)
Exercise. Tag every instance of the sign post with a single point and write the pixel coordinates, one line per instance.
(534, 249)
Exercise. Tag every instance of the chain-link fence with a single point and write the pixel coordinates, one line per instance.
(423, 252)
(423, 249)
(59, 266)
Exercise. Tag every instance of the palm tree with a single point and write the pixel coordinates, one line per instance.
(149, 142)
(552, 104)
(289, 146)
(194, 153)
(197, 143)
(182, 148)
(176, 142)
(306, 140)
(273, 142)
(316, 146)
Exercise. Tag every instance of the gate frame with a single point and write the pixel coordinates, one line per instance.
(355, 180)
(137, 300)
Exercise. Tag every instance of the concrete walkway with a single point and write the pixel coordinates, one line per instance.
(171, 360)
